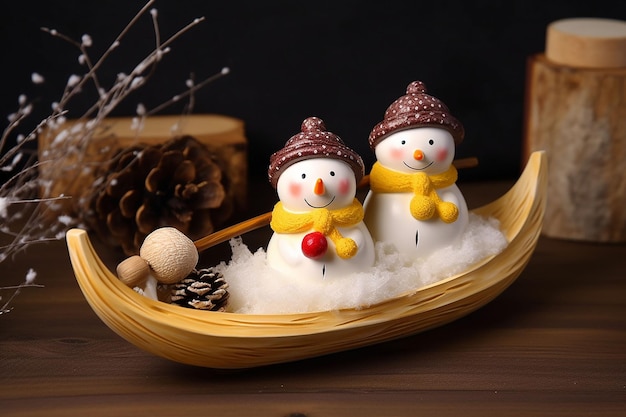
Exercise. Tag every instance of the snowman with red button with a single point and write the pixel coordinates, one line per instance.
(318, 223)
(414, 202)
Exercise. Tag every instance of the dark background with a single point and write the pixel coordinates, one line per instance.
(343, 61)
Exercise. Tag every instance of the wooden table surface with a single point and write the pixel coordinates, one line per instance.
(554, 343)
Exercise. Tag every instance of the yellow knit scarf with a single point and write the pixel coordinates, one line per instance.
(321, 220)
(426, 202)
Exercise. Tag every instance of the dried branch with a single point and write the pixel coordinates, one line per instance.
(27, 202)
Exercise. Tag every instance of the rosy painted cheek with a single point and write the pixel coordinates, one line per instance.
(344, 187)
(441, 155)
(396, 154)
(295, 189)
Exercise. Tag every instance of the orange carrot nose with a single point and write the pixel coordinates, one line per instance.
(319, 187)
(418, 155)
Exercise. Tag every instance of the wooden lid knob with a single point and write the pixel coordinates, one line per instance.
(587, 42)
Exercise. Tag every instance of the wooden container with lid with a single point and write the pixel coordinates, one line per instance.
(576, 111)
(67, 168)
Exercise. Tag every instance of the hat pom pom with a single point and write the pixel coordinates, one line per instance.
(311, 124)
(416, 87)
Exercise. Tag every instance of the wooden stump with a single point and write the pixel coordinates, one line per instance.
(578, 115)
(67, 167)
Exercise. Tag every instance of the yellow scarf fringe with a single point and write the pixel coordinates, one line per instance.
(426, 203)
(321, 220)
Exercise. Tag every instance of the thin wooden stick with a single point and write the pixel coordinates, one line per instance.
(264, 219)
(233, 231)
(469, 162)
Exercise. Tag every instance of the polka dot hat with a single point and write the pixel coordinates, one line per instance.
(313, 142)
(416, 109)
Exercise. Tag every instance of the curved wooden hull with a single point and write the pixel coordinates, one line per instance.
(229, 340)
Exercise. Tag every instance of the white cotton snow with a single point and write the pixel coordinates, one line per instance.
(255, 288)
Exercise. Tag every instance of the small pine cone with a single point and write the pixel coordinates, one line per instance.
(177, 184)
(202, 289)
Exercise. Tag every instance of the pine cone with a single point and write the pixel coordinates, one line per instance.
(203, 289)
(175, 184)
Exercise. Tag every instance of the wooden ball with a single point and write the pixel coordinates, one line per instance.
(133, 271)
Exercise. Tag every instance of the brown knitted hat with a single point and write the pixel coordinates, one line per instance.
(416, 109)
(313, 142)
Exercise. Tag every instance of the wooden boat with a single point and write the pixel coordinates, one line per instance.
(230, 340)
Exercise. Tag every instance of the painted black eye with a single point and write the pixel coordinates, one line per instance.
(403, 142)
(332, 173)
(303, 176)
(430, 142)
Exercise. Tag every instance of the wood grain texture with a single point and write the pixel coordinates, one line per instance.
(587, 42)
(578, 116)
(551, 345)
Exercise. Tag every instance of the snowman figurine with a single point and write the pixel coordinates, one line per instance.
(413, 200)
(318, 223)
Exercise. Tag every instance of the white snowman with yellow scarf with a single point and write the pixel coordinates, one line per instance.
(413, 201)
(318, 223)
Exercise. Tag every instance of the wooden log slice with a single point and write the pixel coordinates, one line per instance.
(67, 164)
(578, 115)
